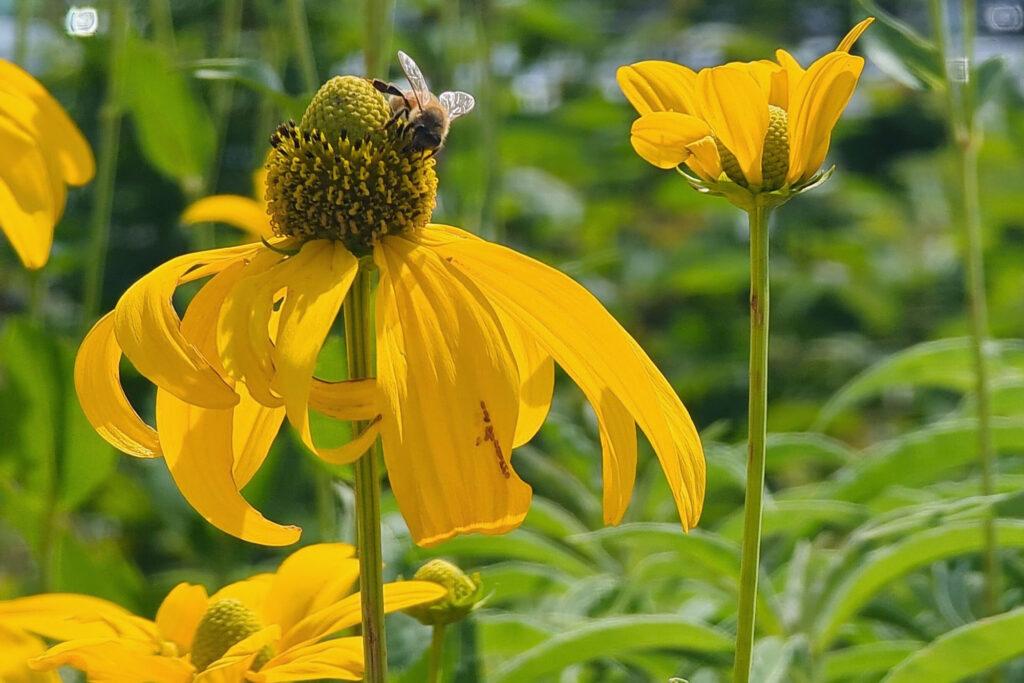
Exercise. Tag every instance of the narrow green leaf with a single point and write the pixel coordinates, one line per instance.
(867, 659)
(253, 74)
(965, 651)
(609, 638)
(884, 566)
(520, 545)
(901, 52)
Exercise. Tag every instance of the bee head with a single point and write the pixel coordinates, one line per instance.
(428, 129)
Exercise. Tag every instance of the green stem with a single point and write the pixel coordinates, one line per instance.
(163, 24)
(360, 346)
(377, 16)
(24, 21)
(106, 166)
(965, 141)
(303, 45)
(757, 420)
(489, 128)
(436, 654)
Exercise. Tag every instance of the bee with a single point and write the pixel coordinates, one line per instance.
(429, 116)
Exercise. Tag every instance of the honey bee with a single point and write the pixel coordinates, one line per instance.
(429, 116)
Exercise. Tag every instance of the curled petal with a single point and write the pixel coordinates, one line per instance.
(334, 659)
(110, 661)
(704, 158)
(736, 108)
(662, 138)
(617, 430)
(243, 213)
(658, 86)
(180, 613)
(449, 386)
(850, 38)
(354, 399)
(66, 616)
(98, 385)
(31, 195)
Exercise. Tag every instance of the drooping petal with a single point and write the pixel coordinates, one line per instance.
(536, 380)
(596, 352)
(317, 279)
(354, 399)
(98, 385)
(240, 212)
(337, 658)
(658, 86)
(617, 430)
(850, 38)
(816, 103)
(180, 613)
(736, 108)
(149, 330)
(110, 661)
(662, 138)
(315, 576)
(449, 385)
(51, 124)
(29, 201)
(65, 616)
(347, 612)
(16, 648)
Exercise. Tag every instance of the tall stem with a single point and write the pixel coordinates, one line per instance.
(303, 45)
(756, 421)
(106, 166)
(965, 142)
(436, 654)
(360, 346)
(377, 16)
(21, 29)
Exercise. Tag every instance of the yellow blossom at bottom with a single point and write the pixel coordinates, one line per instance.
(267, 628)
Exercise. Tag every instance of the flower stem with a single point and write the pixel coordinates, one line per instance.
(303, 45)
(756, 420)
(436, 654)
(106, 166)
(965, 142)
(360, 346)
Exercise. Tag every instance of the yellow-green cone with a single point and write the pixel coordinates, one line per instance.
(775, 159)
(225, 623)
(464, 594)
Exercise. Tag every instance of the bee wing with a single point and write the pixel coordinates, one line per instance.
(415, 76)
(457, 103)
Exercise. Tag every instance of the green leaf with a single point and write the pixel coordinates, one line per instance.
(901, 52)
(867, 659)
(943, 364)
(507, 582)
(884, 566)
(609, 638)
(253, 74)
(520, 545)
(797, 518)
(988, 77)
(965, 651)
(173, 127)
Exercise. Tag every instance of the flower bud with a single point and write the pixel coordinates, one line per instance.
(465, 593)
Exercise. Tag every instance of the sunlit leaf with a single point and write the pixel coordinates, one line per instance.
(867, 659)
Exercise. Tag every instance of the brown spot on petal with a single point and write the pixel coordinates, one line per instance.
(489, 435)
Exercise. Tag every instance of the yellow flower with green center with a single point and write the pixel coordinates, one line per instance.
(467, 333)
(745, 128)
(44, 152)
(272, 627)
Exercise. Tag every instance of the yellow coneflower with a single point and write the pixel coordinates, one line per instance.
(743, 128)
(248, 214)
(43, 153)
(279, 626)
(16, 648)
(467, 333)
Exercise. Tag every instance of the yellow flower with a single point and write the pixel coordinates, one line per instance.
(43, 152)
(245, 213)
(467, 333)
(268, 628)
(743, 128)
(16, 648)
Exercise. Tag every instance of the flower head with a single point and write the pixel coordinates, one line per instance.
(467, 334)
(463, 594)
(43, 153)
(270, 627)
(745, 128)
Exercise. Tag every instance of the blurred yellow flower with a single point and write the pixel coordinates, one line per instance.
(467, 333)
(745, 127)
(43, 152)
(268, 628)
(16, 648)
(248, 214)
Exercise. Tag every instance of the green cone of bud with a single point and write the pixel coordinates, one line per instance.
(465, 592)
(225, 623)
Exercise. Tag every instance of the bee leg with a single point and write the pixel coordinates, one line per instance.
(401, 113)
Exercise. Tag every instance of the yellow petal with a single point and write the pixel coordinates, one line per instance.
(354, 399)
(536, 380)
(338, 658)
(109, 661)
(30, 203)
(65, 616)
(704, 159)
(736, 108)
(661, 138)
(52, 124)
(347, 612)
(317, 280)
(617, 430)
(180, 613)
(243, 328)
(317, 574)
(239, 212)
(594, 350)
(149, 330)
(234, 665)
(794, 72)
(449, 388)
(16, 648)
(658, 86)
(850, 38)
(251, 592)
(816, 103)
(98, 385)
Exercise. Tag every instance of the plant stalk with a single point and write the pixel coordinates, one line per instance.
(360, 346)
(303, 45)
(106, 166)
(757, 420)
(436, 654)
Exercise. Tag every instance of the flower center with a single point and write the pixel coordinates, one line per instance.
(464, 592)
(225, 623)
(348, 172)
(774, 158)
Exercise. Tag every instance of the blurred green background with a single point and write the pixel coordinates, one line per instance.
(867, 321)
